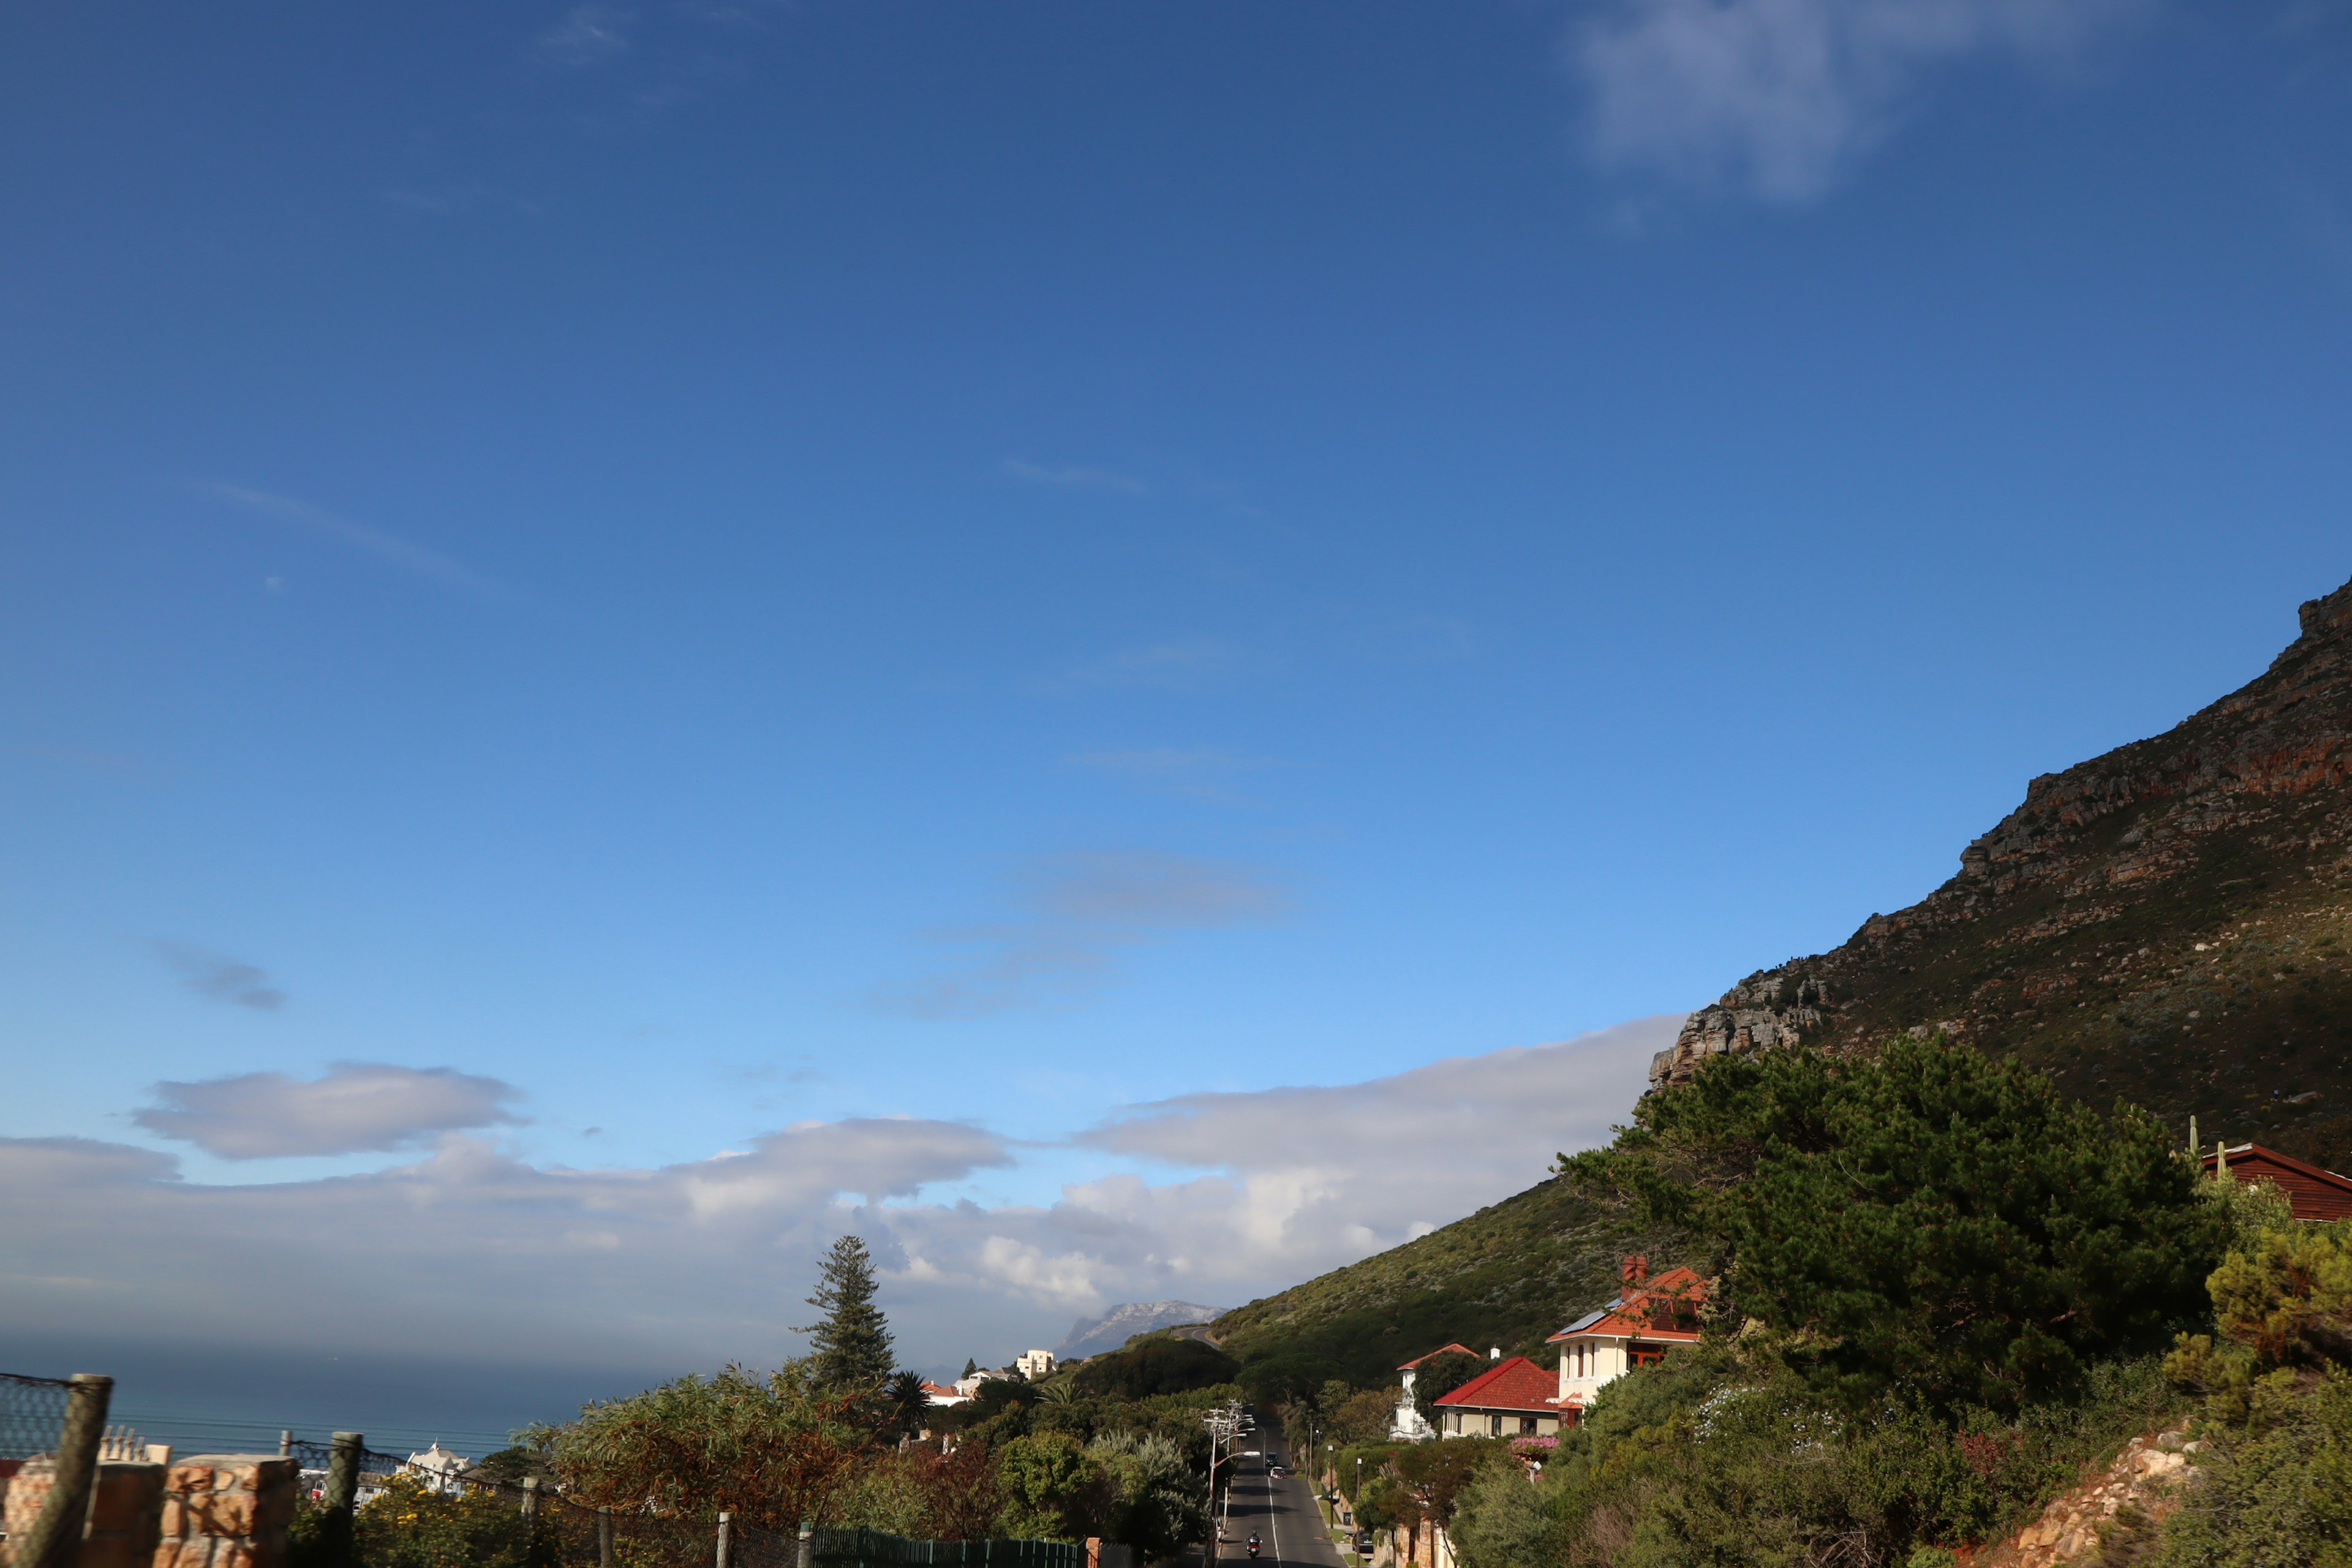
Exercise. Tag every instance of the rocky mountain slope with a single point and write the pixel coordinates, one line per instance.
(2165, 924)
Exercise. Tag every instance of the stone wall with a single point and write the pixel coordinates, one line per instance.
(125, 1511)
(228, 1511)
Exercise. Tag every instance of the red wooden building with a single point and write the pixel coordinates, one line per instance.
(2313, 1193)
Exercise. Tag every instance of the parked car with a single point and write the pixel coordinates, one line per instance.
(1363, 1543)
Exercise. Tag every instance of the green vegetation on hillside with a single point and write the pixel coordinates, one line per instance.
(1505, 1277)
(1935, 1224)
(1154, 1366)
(1942, 1289)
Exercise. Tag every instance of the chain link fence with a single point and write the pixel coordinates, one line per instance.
(32, 1413)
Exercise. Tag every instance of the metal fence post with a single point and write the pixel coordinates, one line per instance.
(55, 1540)
(726, 1534)
(806, 1556)
(285, 1444)
(604, 1537)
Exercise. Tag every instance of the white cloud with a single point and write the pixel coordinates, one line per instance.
(357, 1107)
(1204, 773)
(685, 1266)
(358, 536)
(1779, 98)
(1188, 665)
(588, 35)
(221, 977)
(1071, 477)
(1076, 912)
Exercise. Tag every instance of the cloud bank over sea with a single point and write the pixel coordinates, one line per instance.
(1220, 1197)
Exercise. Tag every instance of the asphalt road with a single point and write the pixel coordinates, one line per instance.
(1289, 1527)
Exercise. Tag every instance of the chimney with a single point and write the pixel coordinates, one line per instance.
(1636, 1269)
(1494, 1354)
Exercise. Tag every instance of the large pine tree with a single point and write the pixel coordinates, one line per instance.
(850, 1345)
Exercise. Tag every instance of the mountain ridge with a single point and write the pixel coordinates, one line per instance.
(2166, 925)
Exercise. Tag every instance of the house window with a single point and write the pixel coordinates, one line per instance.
(1526, 1425)
(1494, 1426)
(1645, 1355)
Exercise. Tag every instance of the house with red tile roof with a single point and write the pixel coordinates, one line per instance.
(2311, 1193)
(1647, 1319)
(1516, 1398)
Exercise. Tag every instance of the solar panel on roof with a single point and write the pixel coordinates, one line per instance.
(1587, 1321)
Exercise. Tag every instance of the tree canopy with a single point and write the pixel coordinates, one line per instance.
(849, 1346)
(1156, 1366)
(1924, 1217)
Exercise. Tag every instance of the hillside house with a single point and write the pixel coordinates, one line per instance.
(1408, 1425)
(1650, 1317)
(1036, 1366)
(947, 1393)
(1516, 1398)
(2313, 1193)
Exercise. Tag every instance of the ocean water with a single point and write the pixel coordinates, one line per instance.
(214, 1400)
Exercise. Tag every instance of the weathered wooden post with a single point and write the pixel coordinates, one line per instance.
(604, 1537)
(55, 1540)
(341, 1497)
(806, 1556)
(726, 1537)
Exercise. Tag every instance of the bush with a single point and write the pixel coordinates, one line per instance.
(1053, 1490)
(773, 1450)
(411, 1525)
(2277, 1417)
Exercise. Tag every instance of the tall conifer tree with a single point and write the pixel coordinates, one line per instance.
(851, 1344)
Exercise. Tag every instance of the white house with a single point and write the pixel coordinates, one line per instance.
(438, 1467)
(1637, 1329)
(1036, 1365)
(1408, 1425)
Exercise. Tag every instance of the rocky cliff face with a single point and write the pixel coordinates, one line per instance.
(2165, 924)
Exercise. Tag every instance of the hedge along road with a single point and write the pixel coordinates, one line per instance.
(1283, 1512)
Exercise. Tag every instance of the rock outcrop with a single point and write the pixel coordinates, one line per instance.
(2077, 930)
(2134, 1494)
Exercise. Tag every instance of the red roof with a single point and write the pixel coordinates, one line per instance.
(2313, 1193)
(1441, 1350)
(1517, 1384)
(1650, 1312)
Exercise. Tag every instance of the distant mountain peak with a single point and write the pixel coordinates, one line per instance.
(1093, 1336)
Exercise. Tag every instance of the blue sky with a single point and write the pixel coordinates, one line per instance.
(671, 572)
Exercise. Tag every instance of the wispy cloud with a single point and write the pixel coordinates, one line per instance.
(1206, 775)
(221, 977)
(1176, 666)
(1071, 477)
(1076, 912)
(358, 536)
(1778, 99)
(587, 34)
(357, 1107)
